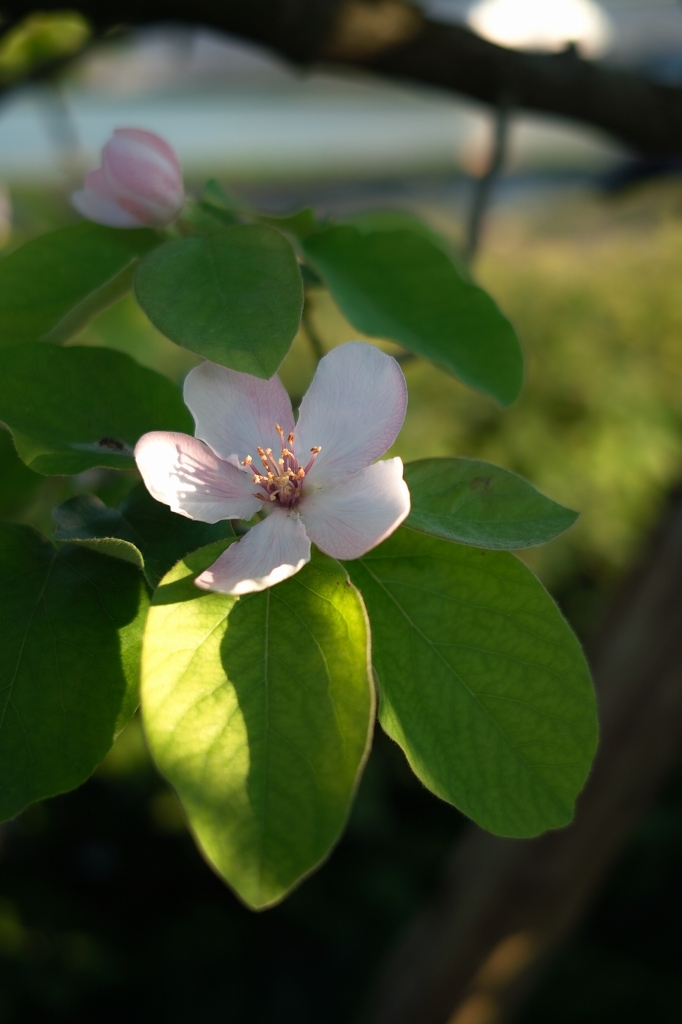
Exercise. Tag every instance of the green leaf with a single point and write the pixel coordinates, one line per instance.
(216, 196)
(206, 219)
(397, 284)
(299, 224)
(370, 221)
(19, 484)
(70, 634)
(482, 682)
(476, 503)
(258, 710)
(73, 408)
(88, 521)
(234, 296)
(52, 286)
(141, 530)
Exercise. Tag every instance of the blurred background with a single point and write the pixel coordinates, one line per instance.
(107, 912)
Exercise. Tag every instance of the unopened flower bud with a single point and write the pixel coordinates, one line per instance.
(138, 184)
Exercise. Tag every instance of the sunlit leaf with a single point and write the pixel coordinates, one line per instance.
(482, 682)
(398, 284)
(73, 408)
(234, 296)
(52, 286)
(141, 530)
(70, 633)
(473, 502)
(258, 710)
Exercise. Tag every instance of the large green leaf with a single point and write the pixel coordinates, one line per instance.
(482, 682)
(234, 296)
(52, 286)
(70, 634)
(473, 502)
(73, 408)
(398, 284)
(141, 530)
(18, 484)
(258, 710)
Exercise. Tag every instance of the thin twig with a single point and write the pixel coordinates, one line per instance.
(61, 129)
(487, 182)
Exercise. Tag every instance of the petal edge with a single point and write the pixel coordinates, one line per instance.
(353, 410)
(359, 511)
(182, 472)
(269, 553)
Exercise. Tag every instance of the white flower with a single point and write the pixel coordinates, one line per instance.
(316, 480)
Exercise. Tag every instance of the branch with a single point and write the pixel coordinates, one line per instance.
(392, 38)
(507, 904)
(641, 114)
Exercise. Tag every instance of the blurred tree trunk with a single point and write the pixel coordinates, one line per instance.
(505, 904)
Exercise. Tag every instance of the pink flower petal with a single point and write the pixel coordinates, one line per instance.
(353, 410)
(144, 175)
(270, 552)
(151, 141)
(101, 210)
(183, 473)
(235, 412)
(97, 183)
(357, 512)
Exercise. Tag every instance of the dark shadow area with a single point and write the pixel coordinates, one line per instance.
(623, 965)
(108, 913)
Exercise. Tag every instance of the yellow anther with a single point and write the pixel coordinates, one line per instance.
(247, 461)
(316, 450)
(290, 439)
(279, 430)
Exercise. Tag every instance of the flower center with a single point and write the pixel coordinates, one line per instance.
(282, 481)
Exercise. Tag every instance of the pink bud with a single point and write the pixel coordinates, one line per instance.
(138, 184)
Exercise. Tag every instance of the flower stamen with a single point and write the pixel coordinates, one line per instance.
(283, 479)
(315, 453)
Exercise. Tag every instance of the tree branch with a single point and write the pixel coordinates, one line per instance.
(637, 112)
(392, 38)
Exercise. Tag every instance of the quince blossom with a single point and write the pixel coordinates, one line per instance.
(138, 184)
(316, 481)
